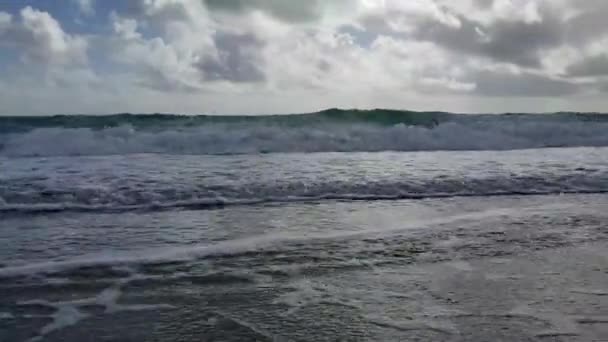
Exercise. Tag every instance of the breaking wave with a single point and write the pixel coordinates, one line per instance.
(327, 131)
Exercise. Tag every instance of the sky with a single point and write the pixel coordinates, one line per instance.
(294, 56)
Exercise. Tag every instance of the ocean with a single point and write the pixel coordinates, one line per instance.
(337, 226)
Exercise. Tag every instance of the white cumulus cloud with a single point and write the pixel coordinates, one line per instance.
(262, 56)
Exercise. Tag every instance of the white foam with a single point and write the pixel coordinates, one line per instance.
(6, 315)
(69, 313)
(451, 242)
(259, 137)
(216, 202)
(65, 315)
(565, 323)
(440, 327)
(501, 277)
(461, 265)
(247, 325)
(303, 293)
(109, 299)
(252, 244)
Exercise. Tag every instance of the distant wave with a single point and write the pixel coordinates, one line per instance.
(326, 131)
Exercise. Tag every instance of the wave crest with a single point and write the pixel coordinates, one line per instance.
(222, 138)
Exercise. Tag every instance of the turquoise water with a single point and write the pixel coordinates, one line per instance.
(327, 131)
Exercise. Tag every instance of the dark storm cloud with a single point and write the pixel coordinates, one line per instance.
(238, 60)
(592, 66)
(524, 85)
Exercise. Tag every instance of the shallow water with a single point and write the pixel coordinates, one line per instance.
(446, 246)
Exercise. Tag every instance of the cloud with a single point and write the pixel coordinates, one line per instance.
(588, 21)
(40, 39)
(589, 67)
(153, 62)
(276, 55)
(165, 13)
(514, 39)
(484, 4)
(125, 28)
(5, 21)
(507, 84)
(292, 11)
(86, 7)
(238, 59)
(167, 61)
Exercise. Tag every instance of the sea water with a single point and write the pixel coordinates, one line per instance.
(468, 230)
